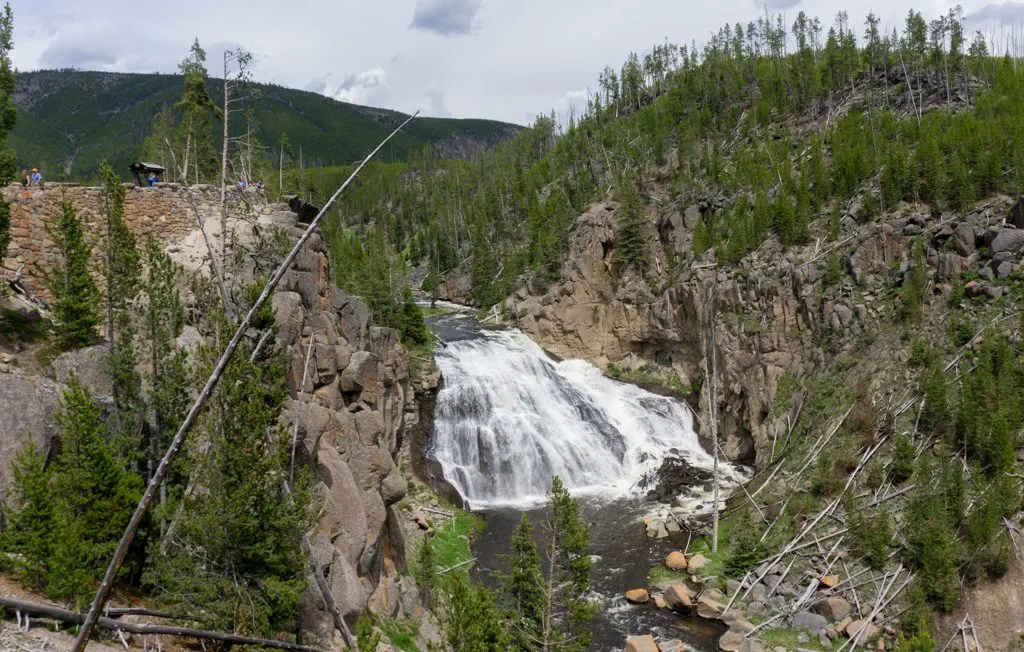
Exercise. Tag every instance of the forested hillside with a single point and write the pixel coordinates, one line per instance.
(773, 162)
(786, 139)
(69, 121)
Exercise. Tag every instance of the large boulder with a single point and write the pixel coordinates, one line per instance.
(730, 642)
(27, 405)
(90, 365)
(964, 239)
(697, 562)
(1010, 240)
(809, 621)
(870, 630)
(835, 609)
(637, 596)
(644, 643)
(676, 560)
(677, 597)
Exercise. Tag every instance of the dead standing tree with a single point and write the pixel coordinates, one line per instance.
(114, 568)
(236, 76)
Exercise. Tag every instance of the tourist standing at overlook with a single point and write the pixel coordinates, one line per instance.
(37, 177)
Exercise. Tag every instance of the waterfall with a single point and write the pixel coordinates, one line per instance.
(509, 417)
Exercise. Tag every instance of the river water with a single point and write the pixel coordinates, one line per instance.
(508, 417)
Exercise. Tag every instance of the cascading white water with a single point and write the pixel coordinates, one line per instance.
(508, 418)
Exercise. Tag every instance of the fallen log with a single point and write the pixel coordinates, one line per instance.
(65, 616)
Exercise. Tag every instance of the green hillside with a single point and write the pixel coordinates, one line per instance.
(77, 119)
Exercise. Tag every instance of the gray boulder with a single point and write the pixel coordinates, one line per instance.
(964, 239)
(90, 365)
(809, 621)
(27, 405)
(1010, 240)
(835, 609)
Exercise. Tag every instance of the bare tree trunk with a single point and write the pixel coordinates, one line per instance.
(143, 629)
(224, 168)
(552, 565)
(713, 409)
(103, 592)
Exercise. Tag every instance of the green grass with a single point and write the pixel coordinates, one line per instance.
(789, 639)
(401, 633)
(661, 574)
(452, 539)
(703, 546)
(434, 311)
(644, 375)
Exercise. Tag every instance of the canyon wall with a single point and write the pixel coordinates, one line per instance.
(773, 313)
(351, 410)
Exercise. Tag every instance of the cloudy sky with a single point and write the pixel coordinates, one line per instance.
(502, 59)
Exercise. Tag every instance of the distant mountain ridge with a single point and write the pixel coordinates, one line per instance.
(76, 119)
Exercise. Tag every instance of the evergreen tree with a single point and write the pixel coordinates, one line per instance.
(473, 622)
(523, 587)
(122, 270)
(164, 319)
(8, 116)
(76, 305)
(931, 538)
(630, 243)
(235, 552)
(198, 110)
(567, 547)
(96, 498)
(29, 520)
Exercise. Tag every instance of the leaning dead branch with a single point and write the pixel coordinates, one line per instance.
(144, 629)
(179, 438)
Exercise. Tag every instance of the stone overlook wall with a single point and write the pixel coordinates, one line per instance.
(162, 211)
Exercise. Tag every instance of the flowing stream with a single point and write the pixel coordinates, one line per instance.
(508, 417)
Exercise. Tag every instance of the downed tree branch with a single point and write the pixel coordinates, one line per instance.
(179, 438)
(143, 629)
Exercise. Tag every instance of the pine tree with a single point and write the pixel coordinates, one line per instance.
(567, 546)
(473, 622)
(164, 319)
(630, 243)
(197, 110)
(30, 519)
(522, 587)
(76, 306)
(235, 552)
(95, 498)
(122, 272)
(8, 116)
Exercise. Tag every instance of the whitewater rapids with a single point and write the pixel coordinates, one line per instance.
(509, 417)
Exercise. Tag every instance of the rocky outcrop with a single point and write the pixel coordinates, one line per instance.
(351, 416)
(775, 312)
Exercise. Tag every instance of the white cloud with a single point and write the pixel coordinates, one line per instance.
(362, 88)
(501, 59)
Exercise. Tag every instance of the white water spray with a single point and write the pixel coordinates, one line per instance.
(508, 418)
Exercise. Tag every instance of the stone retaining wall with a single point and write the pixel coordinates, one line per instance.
(163, 211)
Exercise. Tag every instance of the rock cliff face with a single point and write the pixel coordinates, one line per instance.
(772, 313)
(351, 416)
(351, 408)
(351, 413)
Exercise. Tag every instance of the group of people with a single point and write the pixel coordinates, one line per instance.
(34, 179)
